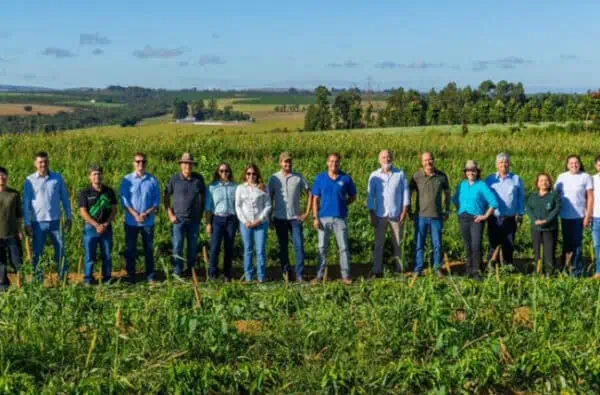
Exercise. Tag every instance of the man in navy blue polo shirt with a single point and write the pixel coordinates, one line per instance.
(333, 191)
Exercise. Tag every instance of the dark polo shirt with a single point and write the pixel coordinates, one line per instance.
(186, 195)
(430, 191)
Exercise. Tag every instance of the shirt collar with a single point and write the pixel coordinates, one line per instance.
(509, 175)
(38, 175)
(392, 170)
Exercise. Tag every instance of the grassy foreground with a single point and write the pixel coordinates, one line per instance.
(505, 334)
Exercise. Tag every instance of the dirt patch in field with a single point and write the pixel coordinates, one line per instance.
(19, 109)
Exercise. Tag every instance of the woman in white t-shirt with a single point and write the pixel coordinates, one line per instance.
(575, 188)
(596, 216)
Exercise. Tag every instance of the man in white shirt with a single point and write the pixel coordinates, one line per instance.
(388, 202)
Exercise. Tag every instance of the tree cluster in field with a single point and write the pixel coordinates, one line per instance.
(499, 103)
(209, 112)
(289, 108)
(114, 105)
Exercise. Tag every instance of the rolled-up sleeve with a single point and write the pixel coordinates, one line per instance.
(125, 193)
(406, 192)
(520, 197)
(238, 205)
(27, 198)
(489, 196)
(156, 194)
(64, 197)
(267, 206)
(209, 204)
(371, 205)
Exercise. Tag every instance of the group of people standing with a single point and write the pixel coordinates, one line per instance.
(253, 205)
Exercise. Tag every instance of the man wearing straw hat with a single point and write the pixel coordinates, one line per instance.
(11, 217)
(187, 191)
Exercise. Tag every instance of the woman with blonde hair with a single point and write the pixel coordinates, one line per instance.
(253, 207)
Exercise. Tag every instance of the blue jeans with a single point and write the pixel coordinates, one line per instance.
(424, 225)
(131, 234)
(91, 240)
(283, 228)
(41, 230)
(596, 238)
(10, 246)
(338, 227)
(188, 231)
(251, 237)
(572, 232)
(223, 231)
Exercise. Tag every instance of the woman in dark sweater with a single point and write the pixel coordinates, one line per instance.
(543, 208)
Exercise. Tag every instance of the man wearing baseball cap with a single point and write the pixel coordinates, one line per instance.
(286, 188)
(98, 207)
(11, 217)
(187, 191)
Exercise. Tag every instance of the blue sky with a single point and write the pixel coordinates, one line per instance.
(548, 45)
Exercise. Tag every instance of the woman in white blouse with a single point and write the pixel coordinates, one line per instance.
(253, 207)
(575, 188)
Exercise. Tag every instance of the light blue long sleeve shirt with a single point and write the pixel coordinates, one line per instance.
(474, 199)
(388, 194)
(43, 196)
(140, 194)
(510, 193)
(220, 199)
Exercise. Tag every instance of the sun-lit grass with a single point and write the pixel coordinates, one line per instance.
(509, 333)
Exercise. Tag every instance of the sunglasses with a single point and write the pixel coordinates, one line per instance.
(250, 173)
(141, 161)
(223, 170)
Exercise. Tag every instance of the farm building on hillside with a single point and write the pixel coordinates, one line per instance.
(188, 119)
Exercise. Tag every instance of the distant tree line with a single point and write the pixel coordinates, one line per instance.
(137, 103)
(503, 102)
(209, 112)
(289, 108)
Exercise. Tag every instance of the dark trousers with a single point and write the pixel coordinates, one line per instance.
(546, 240)
(188, 232)
(472, 233)
(9, 247)
(223, 232)
(131, 236)
(283, 228)
(572, 232)
(502, 234)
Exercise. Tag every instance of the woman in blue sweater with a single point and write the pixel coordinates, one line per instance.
(475, 202)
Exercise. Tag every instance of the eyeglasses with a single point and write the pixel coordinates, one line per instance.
(223, 170)
(141, 161)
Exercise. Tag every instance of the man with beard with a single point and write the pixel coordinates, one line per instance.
(388, 202)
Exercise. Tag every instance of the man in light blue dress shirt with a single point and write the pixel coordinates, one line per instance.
(388, 201)
(140, 196)
(510, 192)
(43, 194)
